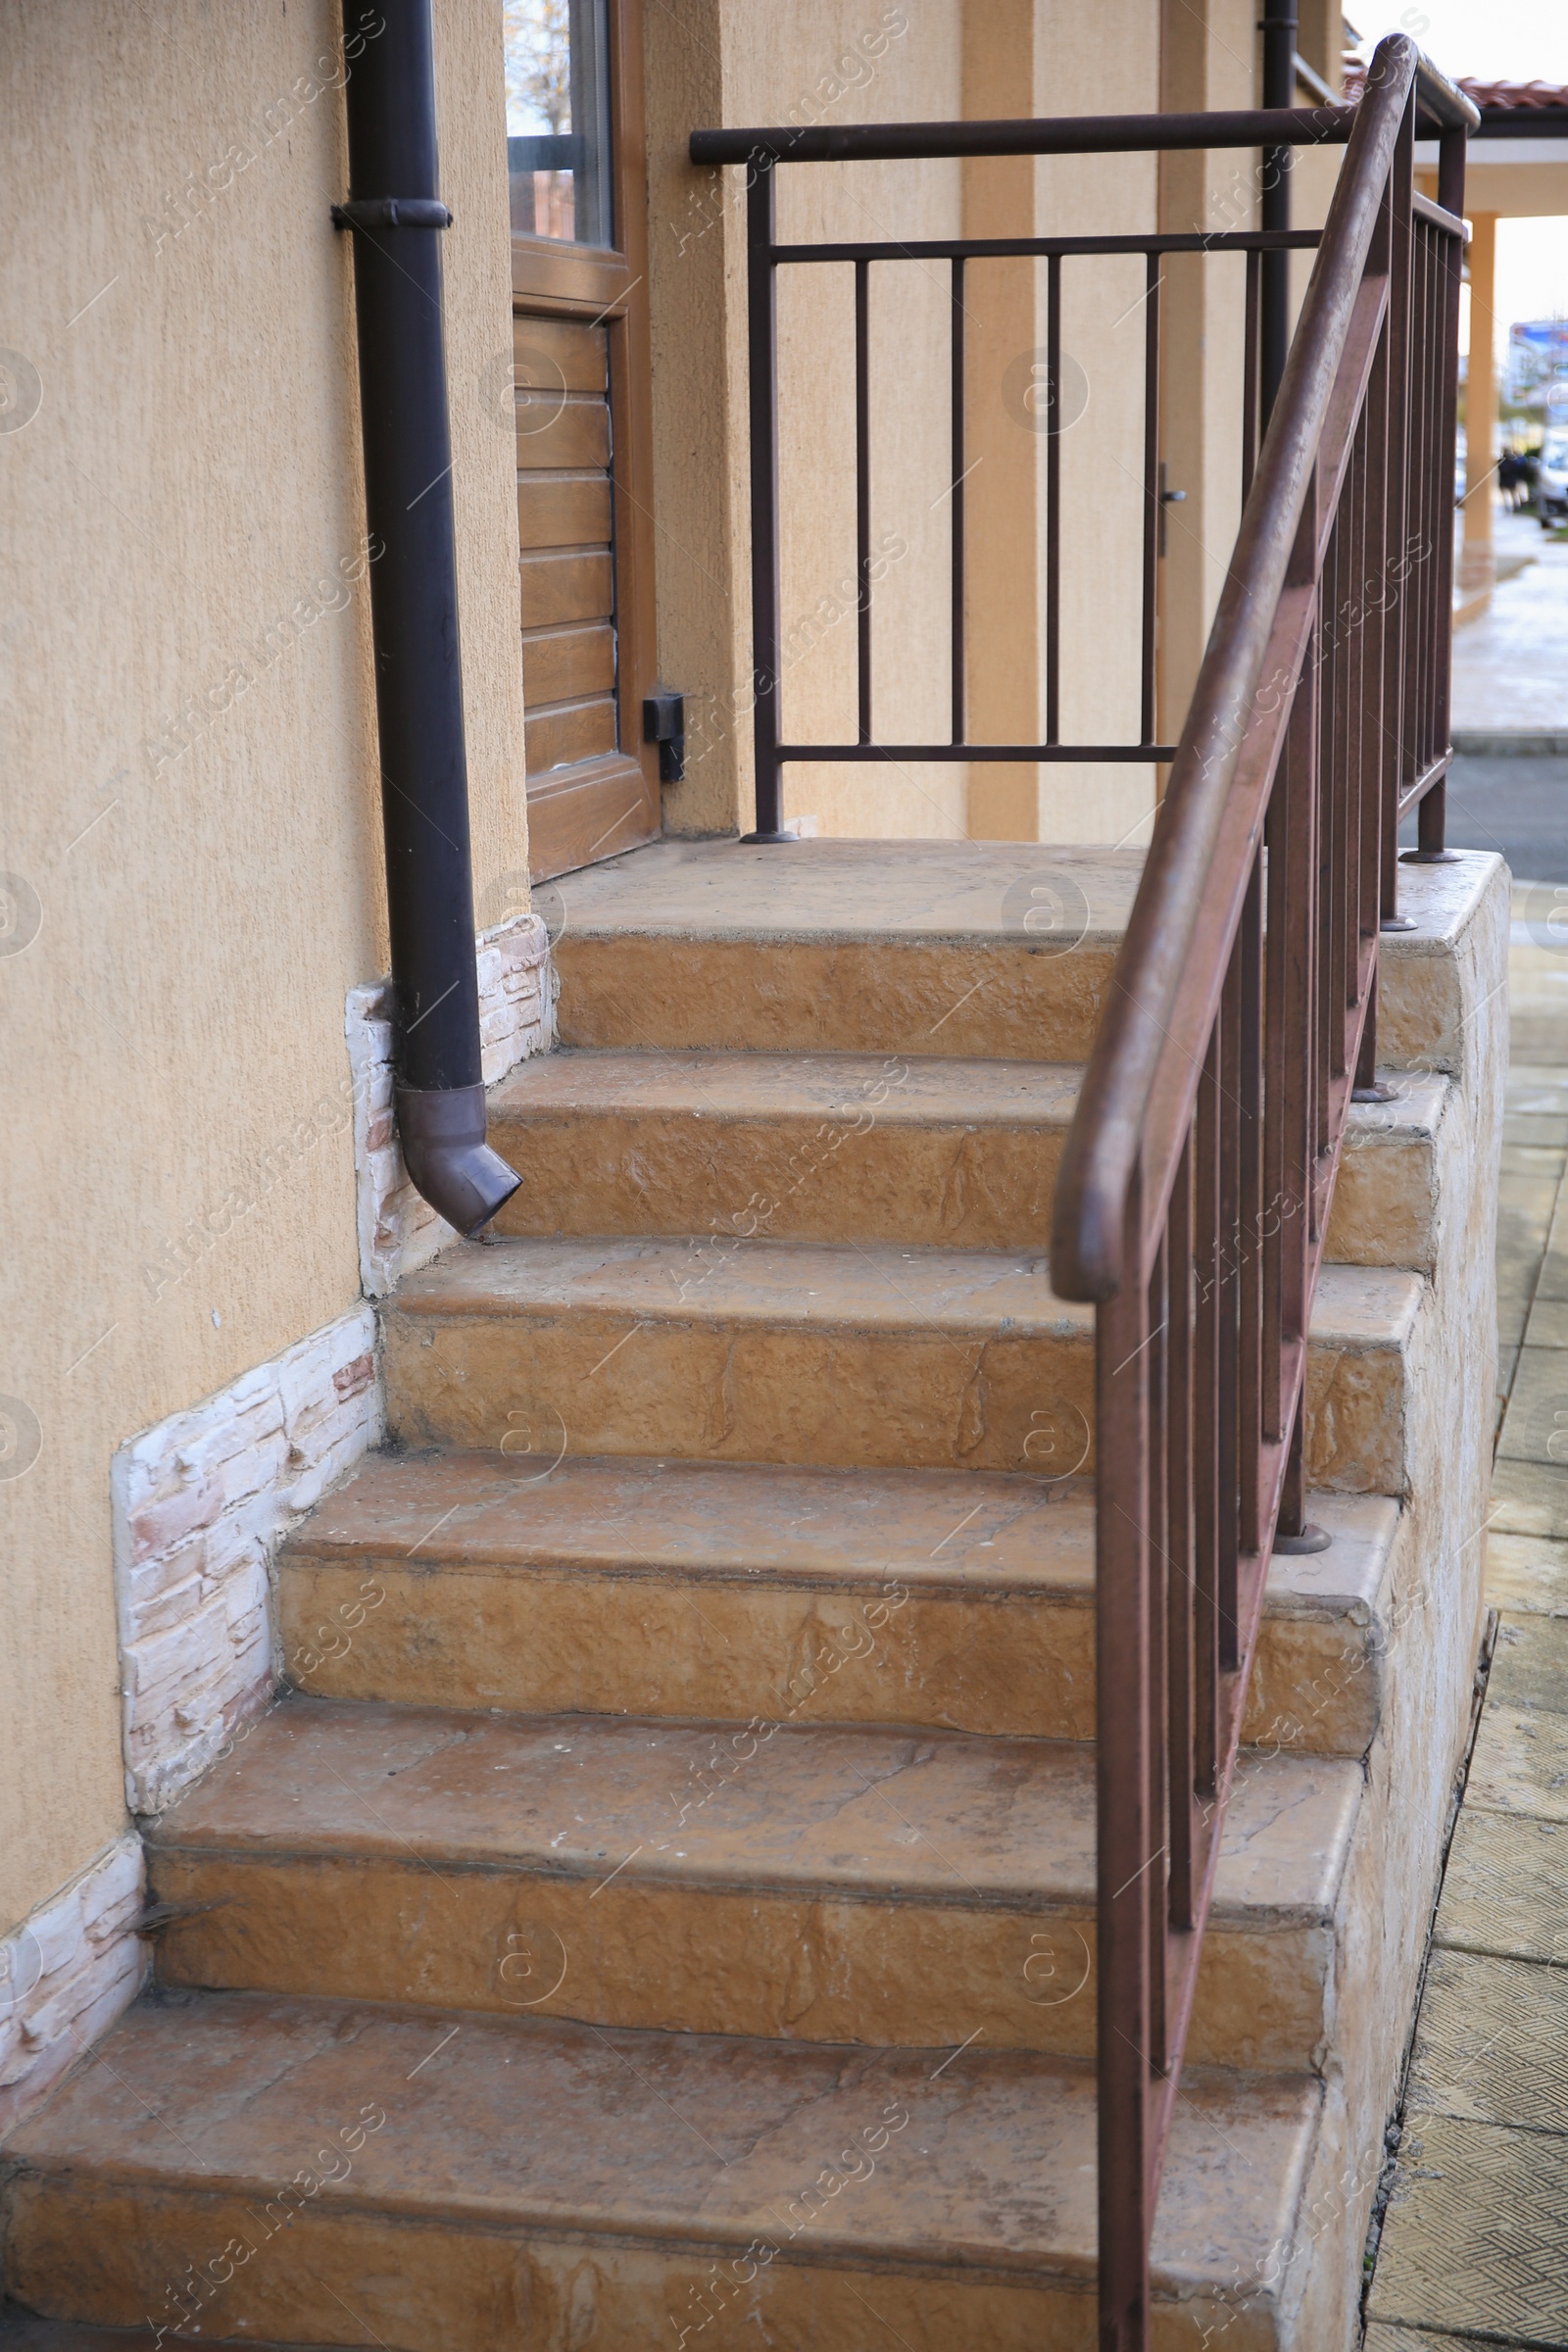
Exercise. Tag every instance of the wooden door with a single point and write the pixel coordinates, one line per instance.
(582, 373)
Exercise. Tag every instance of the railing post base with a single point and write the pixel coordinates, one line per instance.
(1311, 1538)
(1427, 857)
(786, 835)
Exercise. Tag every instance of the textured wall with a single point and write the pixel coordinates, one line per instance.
(179, 477)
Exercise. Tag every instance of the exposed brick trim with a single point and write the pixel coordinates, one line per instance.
(200, 1504)
(66, 1974)
(398, 1231)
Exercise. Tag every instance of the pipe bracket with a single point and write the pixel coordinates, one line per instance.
(392, 212)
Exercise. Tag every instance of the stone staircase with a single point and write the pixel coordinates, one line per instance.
(660, 1912)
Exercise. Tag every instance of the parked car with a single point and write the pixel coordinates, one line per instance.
(1552, 482)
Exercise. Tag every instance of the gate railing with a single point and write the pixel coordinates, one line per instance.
(1241, 1017)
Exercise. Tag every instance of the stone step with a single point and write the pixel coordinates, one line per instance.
(898, 947)
(828, 1882)
(859, 1148)
(25, 2332)
(798, 1351)
(859, 947)
(438, 2181)
(959, 1600)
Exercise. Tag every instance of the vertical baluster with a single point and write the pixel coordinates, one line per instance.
(1181, 1775)
(1356, 666)
(1412, 725)
(1250, 335)
(1348, 831)
(1276, 1048)
(1395, 690)
(956, 629)
(1379, 670)
(1422, 471)
(1333, 734)
(1451, 194)
(762, 319)
(1125, 1881)
(1298, 1023)
(1053, 498)
(1322, 782)
(1228, 1385)
(1146, 723)
(1252, 1219)
(862, 490)
(1298, 1000)
(1205, 1420)
(1444, 333)
(1158, 1605)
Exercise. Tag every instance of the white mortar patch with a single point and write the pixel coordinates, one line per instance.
(397, 1230)
(66, 1974)
(200, 1505)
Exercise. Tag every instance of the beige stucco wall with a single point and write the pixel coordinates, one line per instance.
(174, 1034)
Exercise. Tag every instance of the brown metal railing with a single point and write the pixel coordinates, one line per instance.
(1196, 1183)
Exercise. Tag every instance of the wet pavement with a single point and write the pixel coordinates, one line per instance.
(1473, 2238)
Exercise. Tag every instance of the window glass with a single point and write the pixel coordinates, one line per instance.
(558, 119)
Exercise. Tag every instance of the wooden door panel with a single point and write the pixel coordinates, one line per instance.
(571, 429)
(569, 587)
(569, 731)
(570, 509)
(561, 665)
(559, 354)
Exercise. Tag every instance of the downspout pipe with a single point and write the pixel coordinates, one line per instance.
(396, 219)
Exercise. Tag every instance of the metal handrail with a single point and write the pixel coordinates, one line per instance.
(1192, 1200)
(1180, 883)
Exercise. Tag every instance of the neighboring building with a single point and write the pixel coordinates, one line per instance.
(210, 1218)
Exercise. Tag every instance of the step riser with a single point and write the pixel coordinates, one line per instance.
(712, 1392)
(999, 1002)
(602, 1384)
(620, 1951)
(360, 2277)
(931, 1184)
(570, 1642)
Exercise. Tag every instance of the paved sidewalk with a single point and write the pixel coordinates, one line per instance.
(1475, 2239)
(1510, 667)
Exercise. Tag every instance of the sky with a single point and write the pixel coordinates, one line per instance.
(1495, 40)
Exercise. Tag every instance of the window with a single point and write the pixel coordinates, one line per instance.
(558, 119)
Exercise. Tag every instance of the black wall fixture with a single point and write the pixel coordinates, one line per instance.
(397, 219)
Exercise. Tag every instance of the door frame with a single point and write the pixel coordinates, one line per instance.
(612, 803)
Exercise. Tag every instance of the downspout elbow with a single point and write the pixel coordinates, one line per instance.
(442, 1133)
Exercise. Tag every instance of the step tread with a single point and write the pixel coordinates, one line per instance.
(892, 890)
(753, 1281)
(850, 1811)
(862, 1287)
(731, 1083)
(726, 1084)
(839, 890)
(548, 2127)
(963, 1531)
